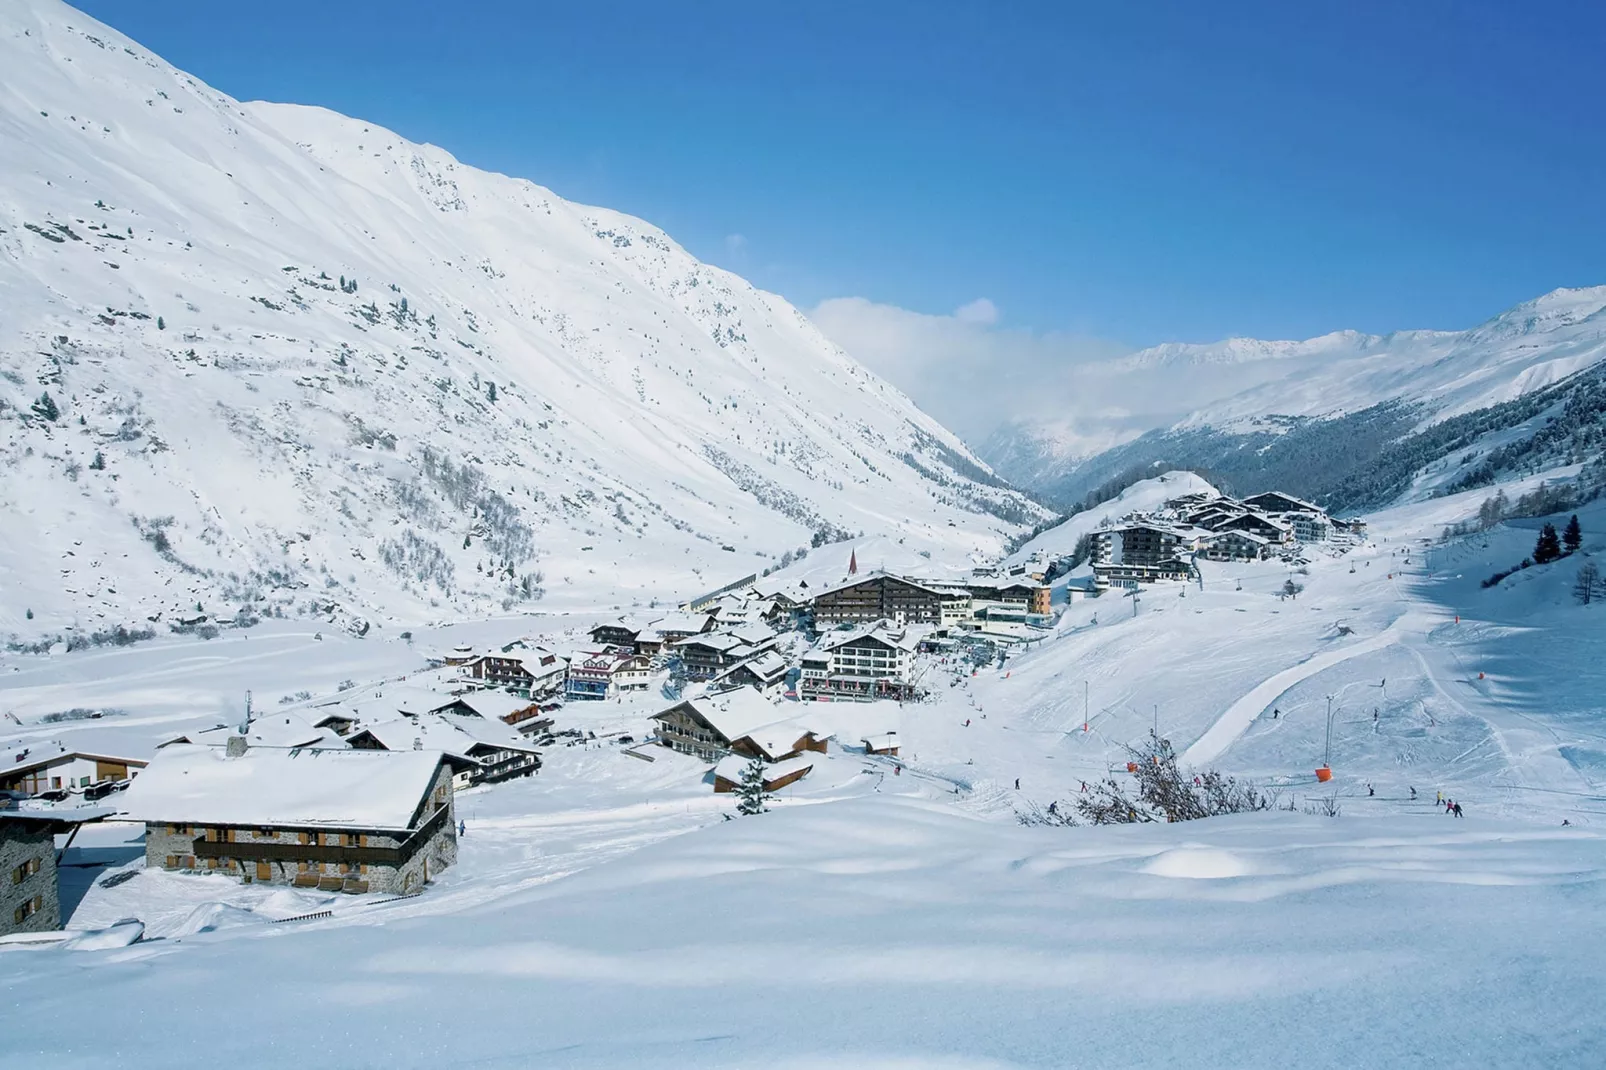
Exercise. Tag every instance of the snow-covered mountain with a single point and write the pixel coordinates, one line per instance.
(296, 363)
(1246, 386)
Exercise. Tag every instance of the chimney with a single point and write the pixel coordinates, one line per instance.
(418, 742)
(236, 746)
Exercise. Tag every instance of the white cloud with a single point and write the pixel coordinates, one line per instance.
(735, 243)
(962, 368)
(980, 311)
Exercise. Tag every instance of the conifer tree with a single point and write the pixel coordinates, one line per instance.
(1572, 536)
(46, 408)
(750, 793)
(1548, 547)
(161, 324)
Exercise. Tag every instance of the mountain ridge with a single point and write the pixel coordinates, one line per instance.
(303, 366)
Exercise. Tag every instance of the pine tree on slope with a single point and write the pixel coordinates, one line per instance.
(1572, 536)
(750, 793)
(1548, 548)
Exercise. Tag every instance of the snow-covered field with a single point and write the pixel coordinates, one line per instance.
(606, 913)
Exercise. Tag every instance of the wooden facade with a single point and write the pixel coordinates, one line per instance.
(878, 597)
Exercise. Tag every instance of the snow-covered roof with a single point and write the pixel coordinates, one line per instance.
(881, 740)
(493, 705)
(734, 714)
(681, 622)
(776, 741)
(271, 730)
(279, 787)
(456, 735)
(767, 666)
(732, 765)
(880, 631)
(854, 581)
(19, 757)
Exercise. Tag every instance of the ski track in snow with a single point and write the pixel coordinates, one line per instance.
(1238, 717)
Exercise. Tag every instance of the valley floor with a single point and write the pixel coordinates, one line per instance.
(898, 913)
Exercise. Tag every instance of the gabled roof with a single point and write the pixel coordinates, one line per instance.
(283, 787)
(492, 705)
(1295, 505)
(690, 623)
(775, 741)
(732, 766)
(19, 757)
(454, 735)
(880, 631)
(878, 575)
(768, 666)
(733, 714)
(271, 730)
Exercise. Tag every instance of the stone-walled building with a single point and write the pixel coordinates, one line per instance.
(29, 897)
(337, 820)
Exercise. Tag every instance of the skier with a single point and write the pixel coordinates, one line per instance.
(967, 722)
(1054, 808)
(1457, 809)
(1017, 783)
(1370, 791)
(461, 828)
(1438, 798)
(1274, 713)
(1413, 795)
(1565, 822)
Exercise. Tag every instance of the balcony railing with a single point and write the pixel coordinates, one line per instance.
(320, 852)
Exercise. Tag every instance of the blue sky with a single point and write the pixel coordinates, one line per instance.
(1123, 172)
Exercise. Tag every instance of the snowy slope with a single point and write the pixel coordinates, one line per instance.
(524, 399)
(1144, 496)
(1239, 383)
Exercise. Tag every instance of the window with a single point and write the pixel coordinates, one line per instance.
(28, 909)
(24, 871)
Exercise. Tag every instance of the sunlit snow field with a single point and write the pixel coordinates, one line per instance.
(606, 913)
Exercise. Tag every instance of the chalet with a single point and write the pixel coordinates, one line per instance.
(604, 674)
(461, 654)
(620, 633)
(677, 626)
(709, 726)
(767, 673)
(871, 662)
(489, 706)
(537, 673)
(781, 740)
(1234, 546)
(1021, 594)
(52, 765)
(1310, 527)
(705, 656)
(488, 751)
(728, 773)
(880, 596)
(1275, 530)
(1141, 551)
(1276, 502)
(30, 895)
(336, 820)
(881, 743)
